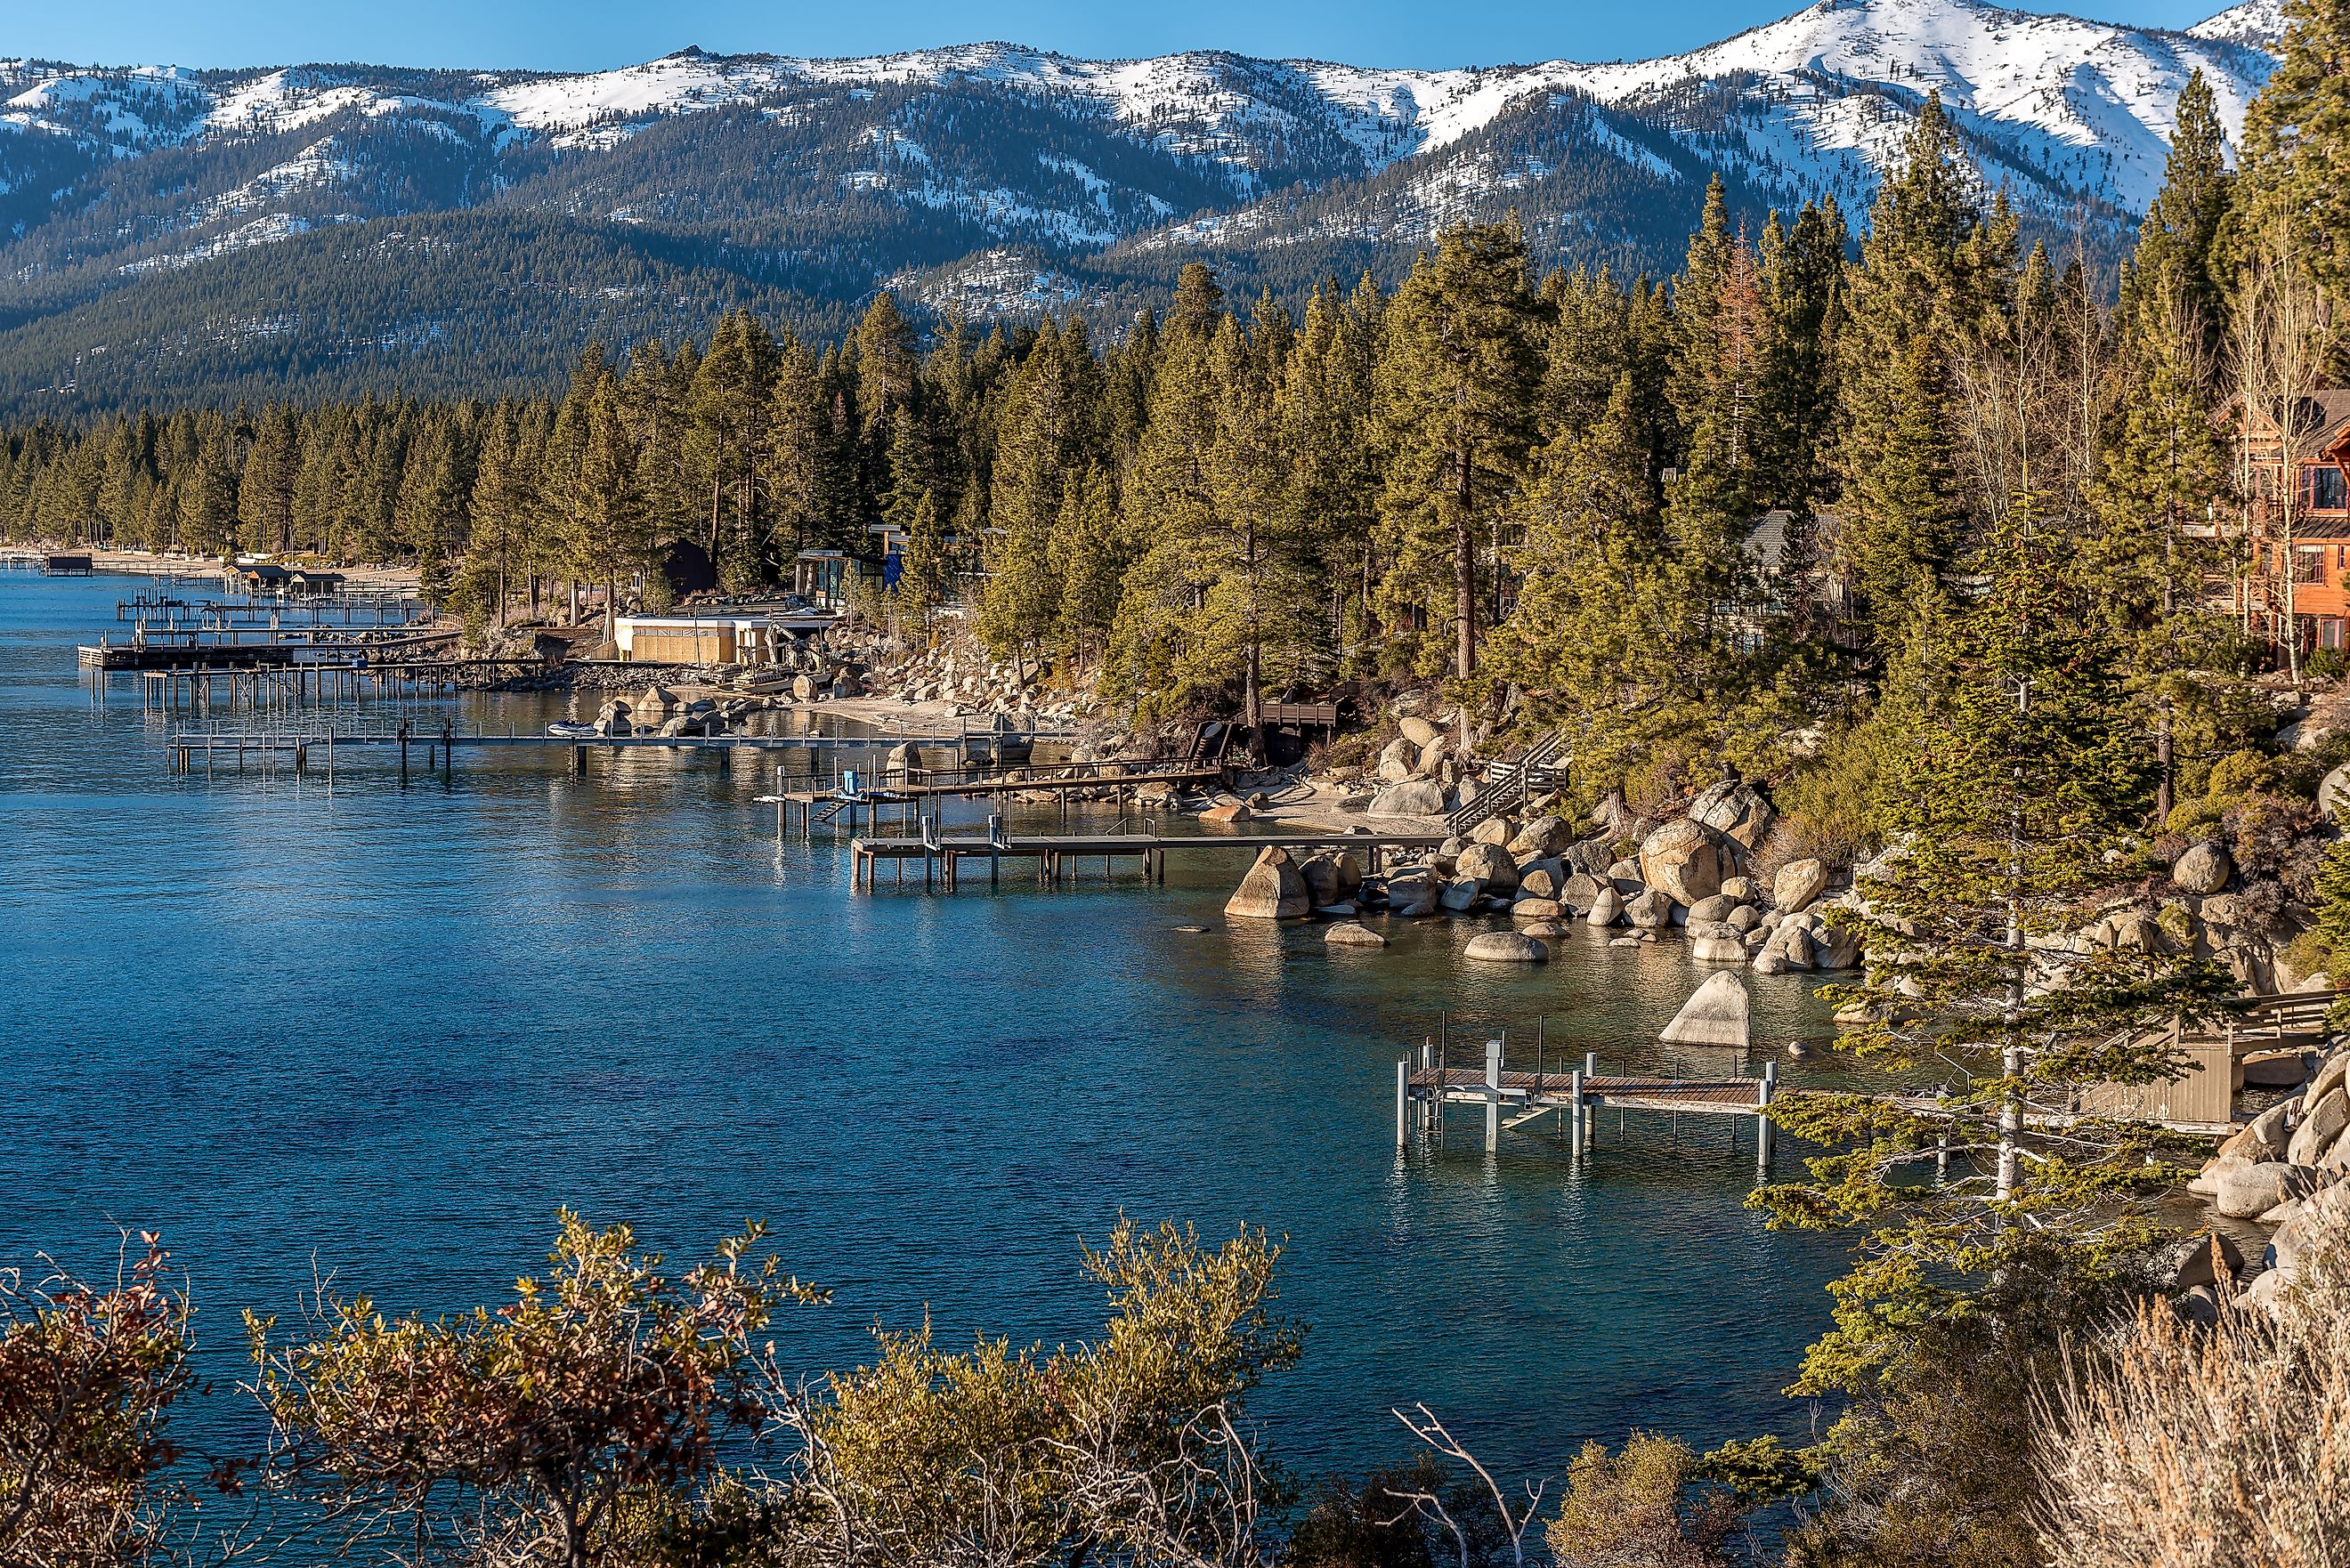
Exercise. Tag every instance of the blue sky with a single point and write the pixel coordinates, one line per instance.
(584, 35)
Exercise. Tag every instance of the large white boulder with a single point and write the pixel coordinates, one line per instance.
(2247, 1191)
(1715, 1015)
(1490, 863)
(2203, 868)
(1272, 891)
(1506, 947)
(1414, 797)
(1736, 811)
(1685, 860)
(1797, 884)
(2320, 1125)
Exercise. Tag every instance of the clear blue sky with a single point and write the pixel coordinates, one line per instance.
(587, 35)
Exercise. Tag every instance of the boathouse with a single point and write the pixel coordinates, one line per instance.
(708, 638)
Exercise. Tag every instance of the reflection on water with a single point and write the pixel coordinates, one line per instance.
(391, 1030)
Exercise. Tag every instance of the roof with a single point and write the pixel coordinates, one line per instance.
(1767, 540)
(2321, 421)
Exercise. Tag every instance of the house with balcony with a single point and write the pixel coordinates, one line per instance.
(2297, 580)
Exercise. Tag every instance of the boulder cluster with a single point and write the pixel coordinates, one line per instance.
(969, 682)
(2210, 909)
(2291, 1151)
(1423, 772)
(658, 711)
(1691, 874)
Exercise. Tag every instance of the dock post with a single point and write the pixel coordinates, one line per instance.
(782, 805)
(1763, 1119)
(1403, 1101)
(1574, 1123)
(1493, 1096)
(448, 751)
(404, 753)
(330, 756)
(1942, 1157)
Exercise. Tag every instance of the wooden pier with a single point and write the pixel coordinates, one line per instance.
(191, 749)
(1425, 1087)
(1059, 855)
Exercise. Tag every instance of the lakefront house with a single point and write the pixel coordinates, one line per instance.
(2296, 584)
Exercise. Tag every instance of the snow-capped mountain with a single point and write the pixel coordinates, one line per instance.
(994, 176)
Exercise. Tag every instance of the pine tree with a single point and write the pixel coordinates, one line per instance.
(1803, 277)
(727, 407)
(1456, 394)
(923, 570)
(1627, 620)
(1920, 296)
(2295, 166)
(1198, 305)
(1331, 504)
(265, 494)
(503, 505)
(1049, 424)
(802, 474)
(2018, 780)
(1087, 555)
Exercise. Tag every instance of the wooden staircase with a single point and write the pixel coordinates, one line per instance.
(1507, 785)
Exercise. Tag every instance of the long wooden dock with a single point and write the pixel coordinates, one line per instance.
(1058, 854)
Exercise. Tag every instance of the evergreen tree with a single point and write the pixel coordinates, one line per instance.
(1803, 276)
(2295, 158)
(2011, 801)
(1050, 423)
(1456, 391)
(1918, 296)
(265, 494)
(728, 405)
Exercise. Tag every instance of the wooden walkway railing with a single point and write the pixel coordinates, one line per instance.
(1508, 784)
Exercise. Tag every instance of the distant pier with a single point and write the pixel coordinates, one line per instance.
(1060, 854)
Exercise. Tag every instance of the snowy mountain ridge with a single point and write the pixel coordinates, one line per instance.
(995, 177)
(2022, 78)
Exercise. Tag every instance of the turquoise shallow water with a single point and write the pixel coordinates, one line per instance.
(387, 1032)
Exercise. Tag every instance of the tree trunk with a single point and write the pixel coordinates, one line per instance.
(1252, 700)
(1464, 574)
(2162, 761)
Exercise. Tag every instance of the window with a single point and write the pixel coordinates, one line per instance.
(2329, 631)
(2309, 563)
(2324, 491)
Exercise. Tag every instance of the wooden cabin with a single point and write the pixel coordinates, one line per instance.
(2298, 584)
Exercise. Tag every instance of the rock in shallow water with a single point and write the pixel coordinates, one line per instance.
(1352, 934)
(1272, 891)
(1506, 947)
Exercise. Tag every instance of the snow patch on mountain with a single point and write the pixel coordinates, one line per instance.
(2254, 25)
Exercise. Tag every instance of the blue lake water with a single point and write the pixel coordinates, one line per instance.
(386, 1031)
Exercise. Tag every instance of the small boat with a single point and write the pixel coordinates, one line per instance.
(572, 730)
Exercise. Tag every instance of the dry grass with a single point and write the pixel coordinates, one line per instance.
(2213, 1448)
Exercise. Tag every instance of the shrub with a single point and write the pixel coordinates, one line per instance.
(89, 1377)
(1640, 1509)
(2210, 1449)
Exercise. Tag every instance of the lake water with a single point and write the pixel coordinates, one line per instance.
(386, 1031)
